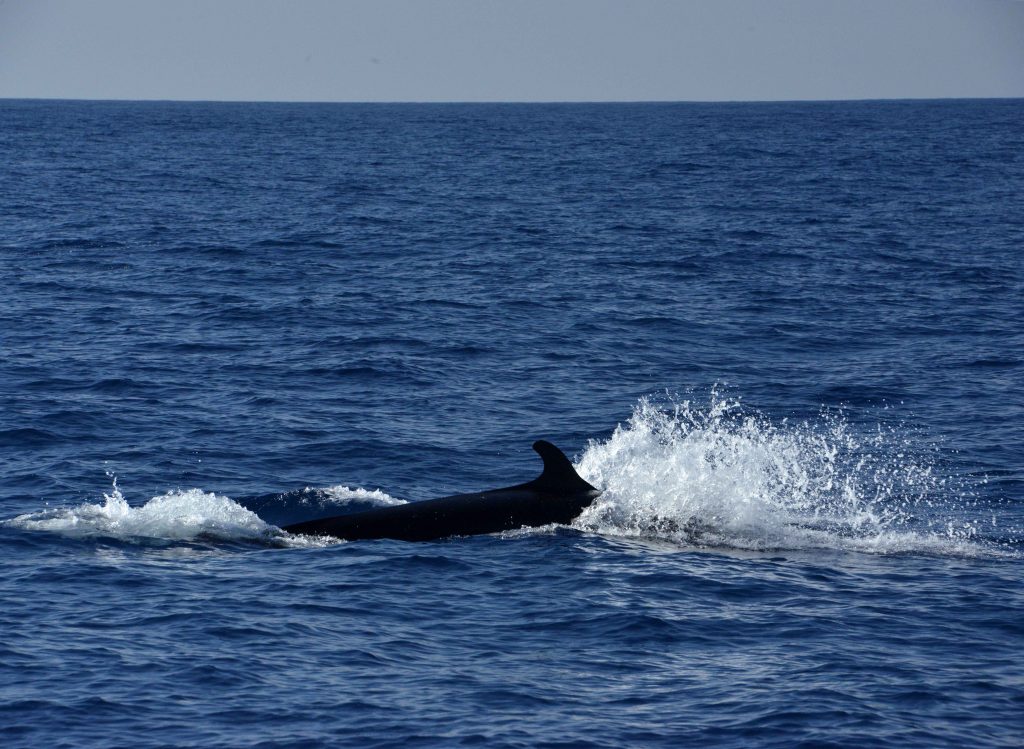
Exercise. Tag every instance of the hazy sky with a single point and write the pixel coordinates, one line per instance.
(512, 50)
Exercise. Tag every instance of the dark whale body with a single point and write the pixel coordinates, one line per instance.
(558, 495)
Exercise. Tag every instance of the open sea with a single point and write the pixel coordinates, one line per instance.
(786, 340)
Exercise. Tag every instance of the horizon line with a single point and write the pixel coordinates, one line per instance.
(127, 100)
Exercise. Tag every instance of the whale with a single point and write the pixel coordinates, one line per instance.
(557, 496)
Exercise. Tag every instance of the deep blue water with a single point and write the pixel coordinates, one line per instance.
(787, 340)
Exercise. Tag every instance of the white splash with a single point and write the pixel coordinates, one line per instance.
(177, 515)
(724, 477)
(185, 515)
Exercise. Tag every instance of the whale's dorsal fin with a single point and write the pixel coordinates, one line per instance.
(558, 474)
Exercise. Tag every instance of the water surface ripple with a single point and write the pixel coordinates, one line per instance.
(786, 339)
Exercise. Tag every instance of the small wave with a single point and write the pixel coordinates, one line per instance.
(26, 437)
(344, 495)
(995, 362)
(722, 476)
(115, 385)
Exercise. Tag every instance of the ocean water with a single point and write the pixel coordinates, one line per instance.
(786, 340)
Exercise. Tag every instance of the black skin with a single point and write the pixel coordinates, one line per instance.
(558, 495)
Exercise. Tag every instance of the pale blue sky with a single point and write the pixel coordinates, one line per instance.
(515, 50)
